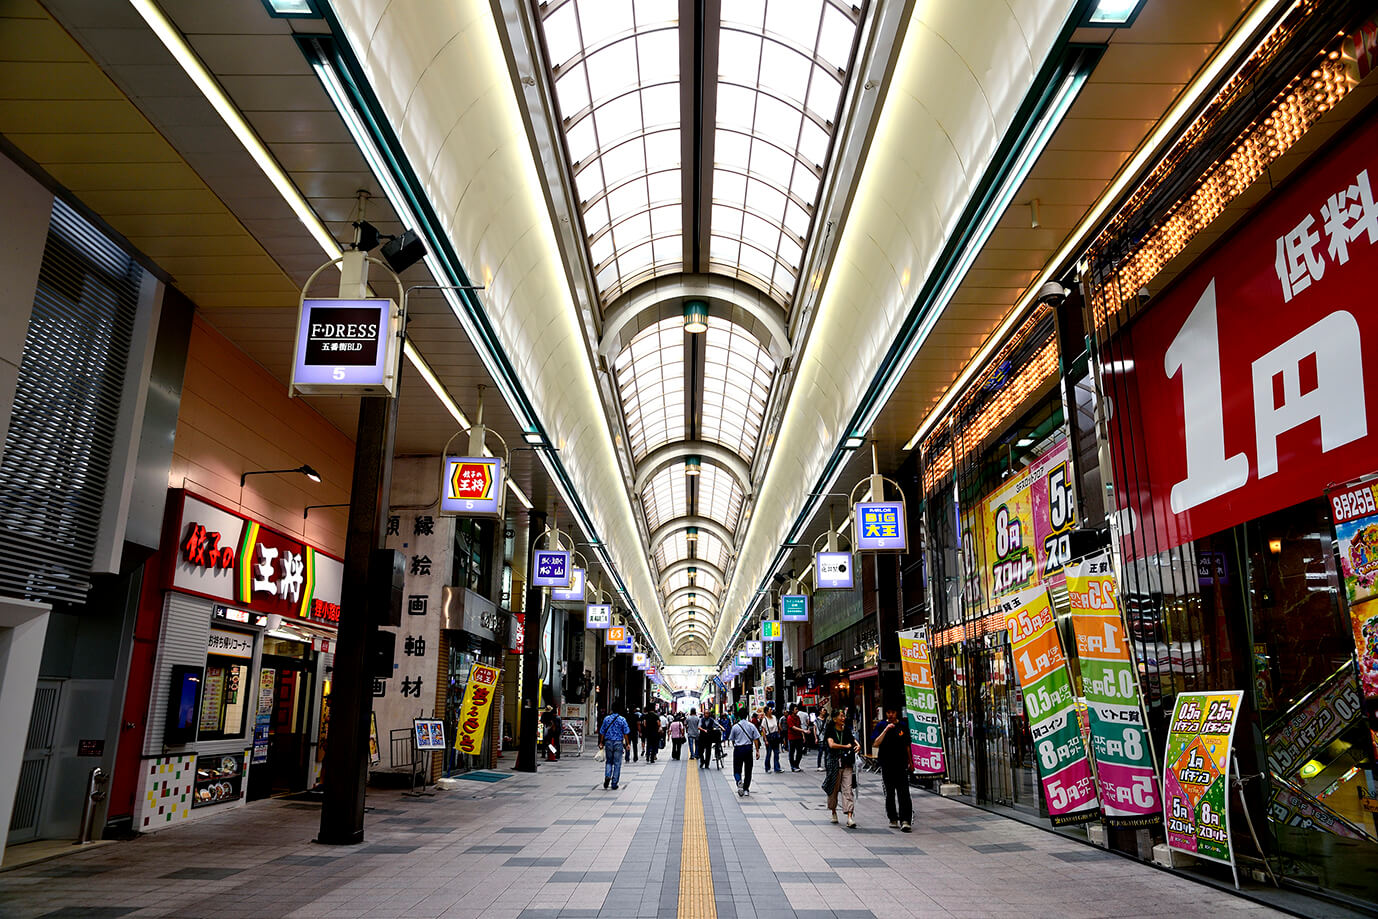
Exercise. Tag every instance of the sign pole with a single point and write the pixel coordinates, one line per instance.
(531, 676)
(346, 752)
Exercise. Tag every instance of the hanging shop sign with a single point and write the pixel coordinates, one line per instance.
(743, 659)
(1026, 525)
(346, 347)
(1355, 519)
(517, 640)
(1063, 764)
(832, 571)
(552, 569)
(597, 615)
(429, 733)
(754, 648)
(639, 659)
(1119, 736)
(625, 647)
(473, 712)
(880, 526)
(1196, 779)
(794, 608)
(771, 630)
(1244, 386)
(616, 634)
(926, 750)
(575, 593)
(222, 555)
(472, 486)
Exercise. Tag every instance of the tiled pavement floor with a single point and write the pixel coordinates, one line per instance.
(555, 844)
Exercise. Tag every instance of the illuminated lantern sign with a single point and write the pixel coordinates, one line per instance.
(346, 347)
(597, 616)
(575, 594)
(880, 526)
(770, 630)
(616, 634)
(832, 571)
(754, 648)
(553, 569)
(472, 486)
(794, 608)
(639, 659)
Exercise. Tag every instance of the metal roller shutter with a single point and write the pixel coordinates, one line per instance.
(186, 630)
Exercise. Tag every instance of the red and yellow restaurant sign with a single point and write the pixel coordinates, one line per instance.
(473, 714)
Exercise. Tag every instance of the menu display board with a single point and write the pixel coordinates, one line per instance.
(1046, 684)
(219, 778)
(1196, 770)
(926, 749)
(1119, 736)
(263, 714)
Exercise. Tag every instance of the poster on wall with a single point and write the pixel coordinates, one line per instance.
(926, 750)
(473, 712)
(1119, 736)
(1196, 779)
(1026, 525)
(1063, 764)
(1355, 519)
(263, 714)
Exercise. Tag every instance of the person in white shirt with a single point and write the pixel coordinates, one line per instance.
(742, 737)
(770, 727)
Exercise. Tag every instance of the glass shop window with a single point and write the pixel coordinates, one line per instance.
(223, 698)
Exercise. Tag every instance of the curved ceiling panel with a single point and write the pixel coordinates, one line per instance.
(953, 96)
(737, 375)
(650, 383)
(442, 80)
(707, 546)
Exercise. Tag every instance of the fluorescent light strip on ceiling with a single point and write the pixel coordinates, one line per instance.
(1167, 128)
(193, 67)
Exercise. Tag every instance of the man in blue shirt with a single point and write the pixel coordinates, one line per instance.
(613, 741)
(742, 736)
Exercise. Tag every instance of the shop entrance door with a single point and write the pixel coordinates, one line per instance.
(289, 729)
(994, 749)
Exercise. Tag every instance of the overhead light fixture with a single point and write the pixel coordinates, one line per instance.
(535, 438)
(292, 9)
(692, 465)
(691, 534)
(695, 316)
(1114, 12)
(854, 442)
(304, 469)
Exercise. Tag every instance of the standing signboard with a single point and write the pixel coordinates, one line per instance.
(832, 571)
(346, 347)
(926, 748)
(1046, 684)
(880, 527)
(794, 608)
(1196, 774)
(1026, 525)
(429, 733)
(473, 713)
(472, 486)
(1119, 735)
(552, 569)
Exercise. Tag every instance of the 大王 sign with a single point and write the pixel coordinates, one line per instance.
(880, 526)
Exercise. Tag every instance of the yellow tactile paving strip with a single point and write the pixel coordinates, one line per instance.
(695, 870)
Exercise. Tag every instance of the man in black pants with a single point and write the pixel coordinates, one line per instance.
(891, 742)
(743, 735)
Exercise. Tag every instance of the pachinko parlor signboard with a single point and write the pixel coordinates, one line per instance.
(1196, 774)
(1026, 525)
(1063, 764)
(926, 750)
(1354, 512)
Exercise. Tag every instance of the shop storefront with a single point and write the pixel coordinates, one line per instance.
(242, 669)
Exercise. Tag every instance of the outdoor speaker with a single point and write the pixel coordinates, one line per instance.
(404, 251)
(381, 651)
(387, 575)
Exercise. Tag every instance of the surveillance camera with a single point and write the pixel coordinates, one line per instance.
(1052, 292)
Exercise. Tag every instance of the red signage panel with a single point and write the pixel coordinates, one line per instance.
(1253, 383)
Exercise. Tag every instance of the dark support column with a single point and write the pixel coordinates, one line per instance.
(888, 617)
(351, 694)
(779, 664)
(531, 653)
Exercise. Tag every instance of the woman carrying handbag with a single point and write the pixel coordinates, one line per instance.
(840, 780)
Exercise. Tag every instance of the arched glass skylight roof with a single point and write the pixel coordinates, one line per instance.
(702, 579)
(782, 65)
(736, 382)
(719, 496)
(708, 547)
(616, 70)
(650, 383)
(666, 496)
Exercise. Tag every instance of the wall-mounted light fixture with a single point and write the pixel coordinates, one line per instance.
(304, 469)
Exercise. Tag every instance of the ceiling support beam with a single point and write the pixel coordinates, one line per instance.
(702, 524)
(664, 457)
(685, 564)
(664, 297)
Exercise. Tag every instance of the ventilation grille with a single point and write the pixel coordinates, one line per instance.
(66, 408)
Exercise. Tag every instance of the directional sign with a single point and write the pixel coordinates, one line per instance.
(794, 608)
(832, 571)
(553, 569)
(597, 616)
(472, 486)
(616, 634)
(754, 648)
(880, 526)
(770, 630)
(575, 593)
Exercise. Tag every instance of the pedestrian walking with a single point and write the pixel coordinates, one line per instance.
(676, 737)
(613, 741)
(840, 781)
(794, 737)
(691, 732)
(710, 736)
(650, 735)
(820, 728)
(743, 736)
(891, 743)
(770, 727)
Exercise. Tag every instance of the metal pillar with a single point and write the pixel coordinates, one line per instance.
(888, 616)
(779, 659)
(531, 653)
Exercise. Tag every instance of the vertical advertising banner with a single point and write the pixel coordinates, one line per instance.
(1119, 737)
(473, 713)
(1355, 516)
(1025, 526)
(926, 748)
(1196, 775)
(1063, 765)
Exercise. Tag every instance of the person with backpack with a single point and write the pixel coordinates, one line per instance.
(742, 737)
(840, 781)
(613, 740)
(710, 736)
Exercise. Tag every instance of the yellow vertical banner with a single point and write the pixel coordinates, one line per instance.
(473, 714)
